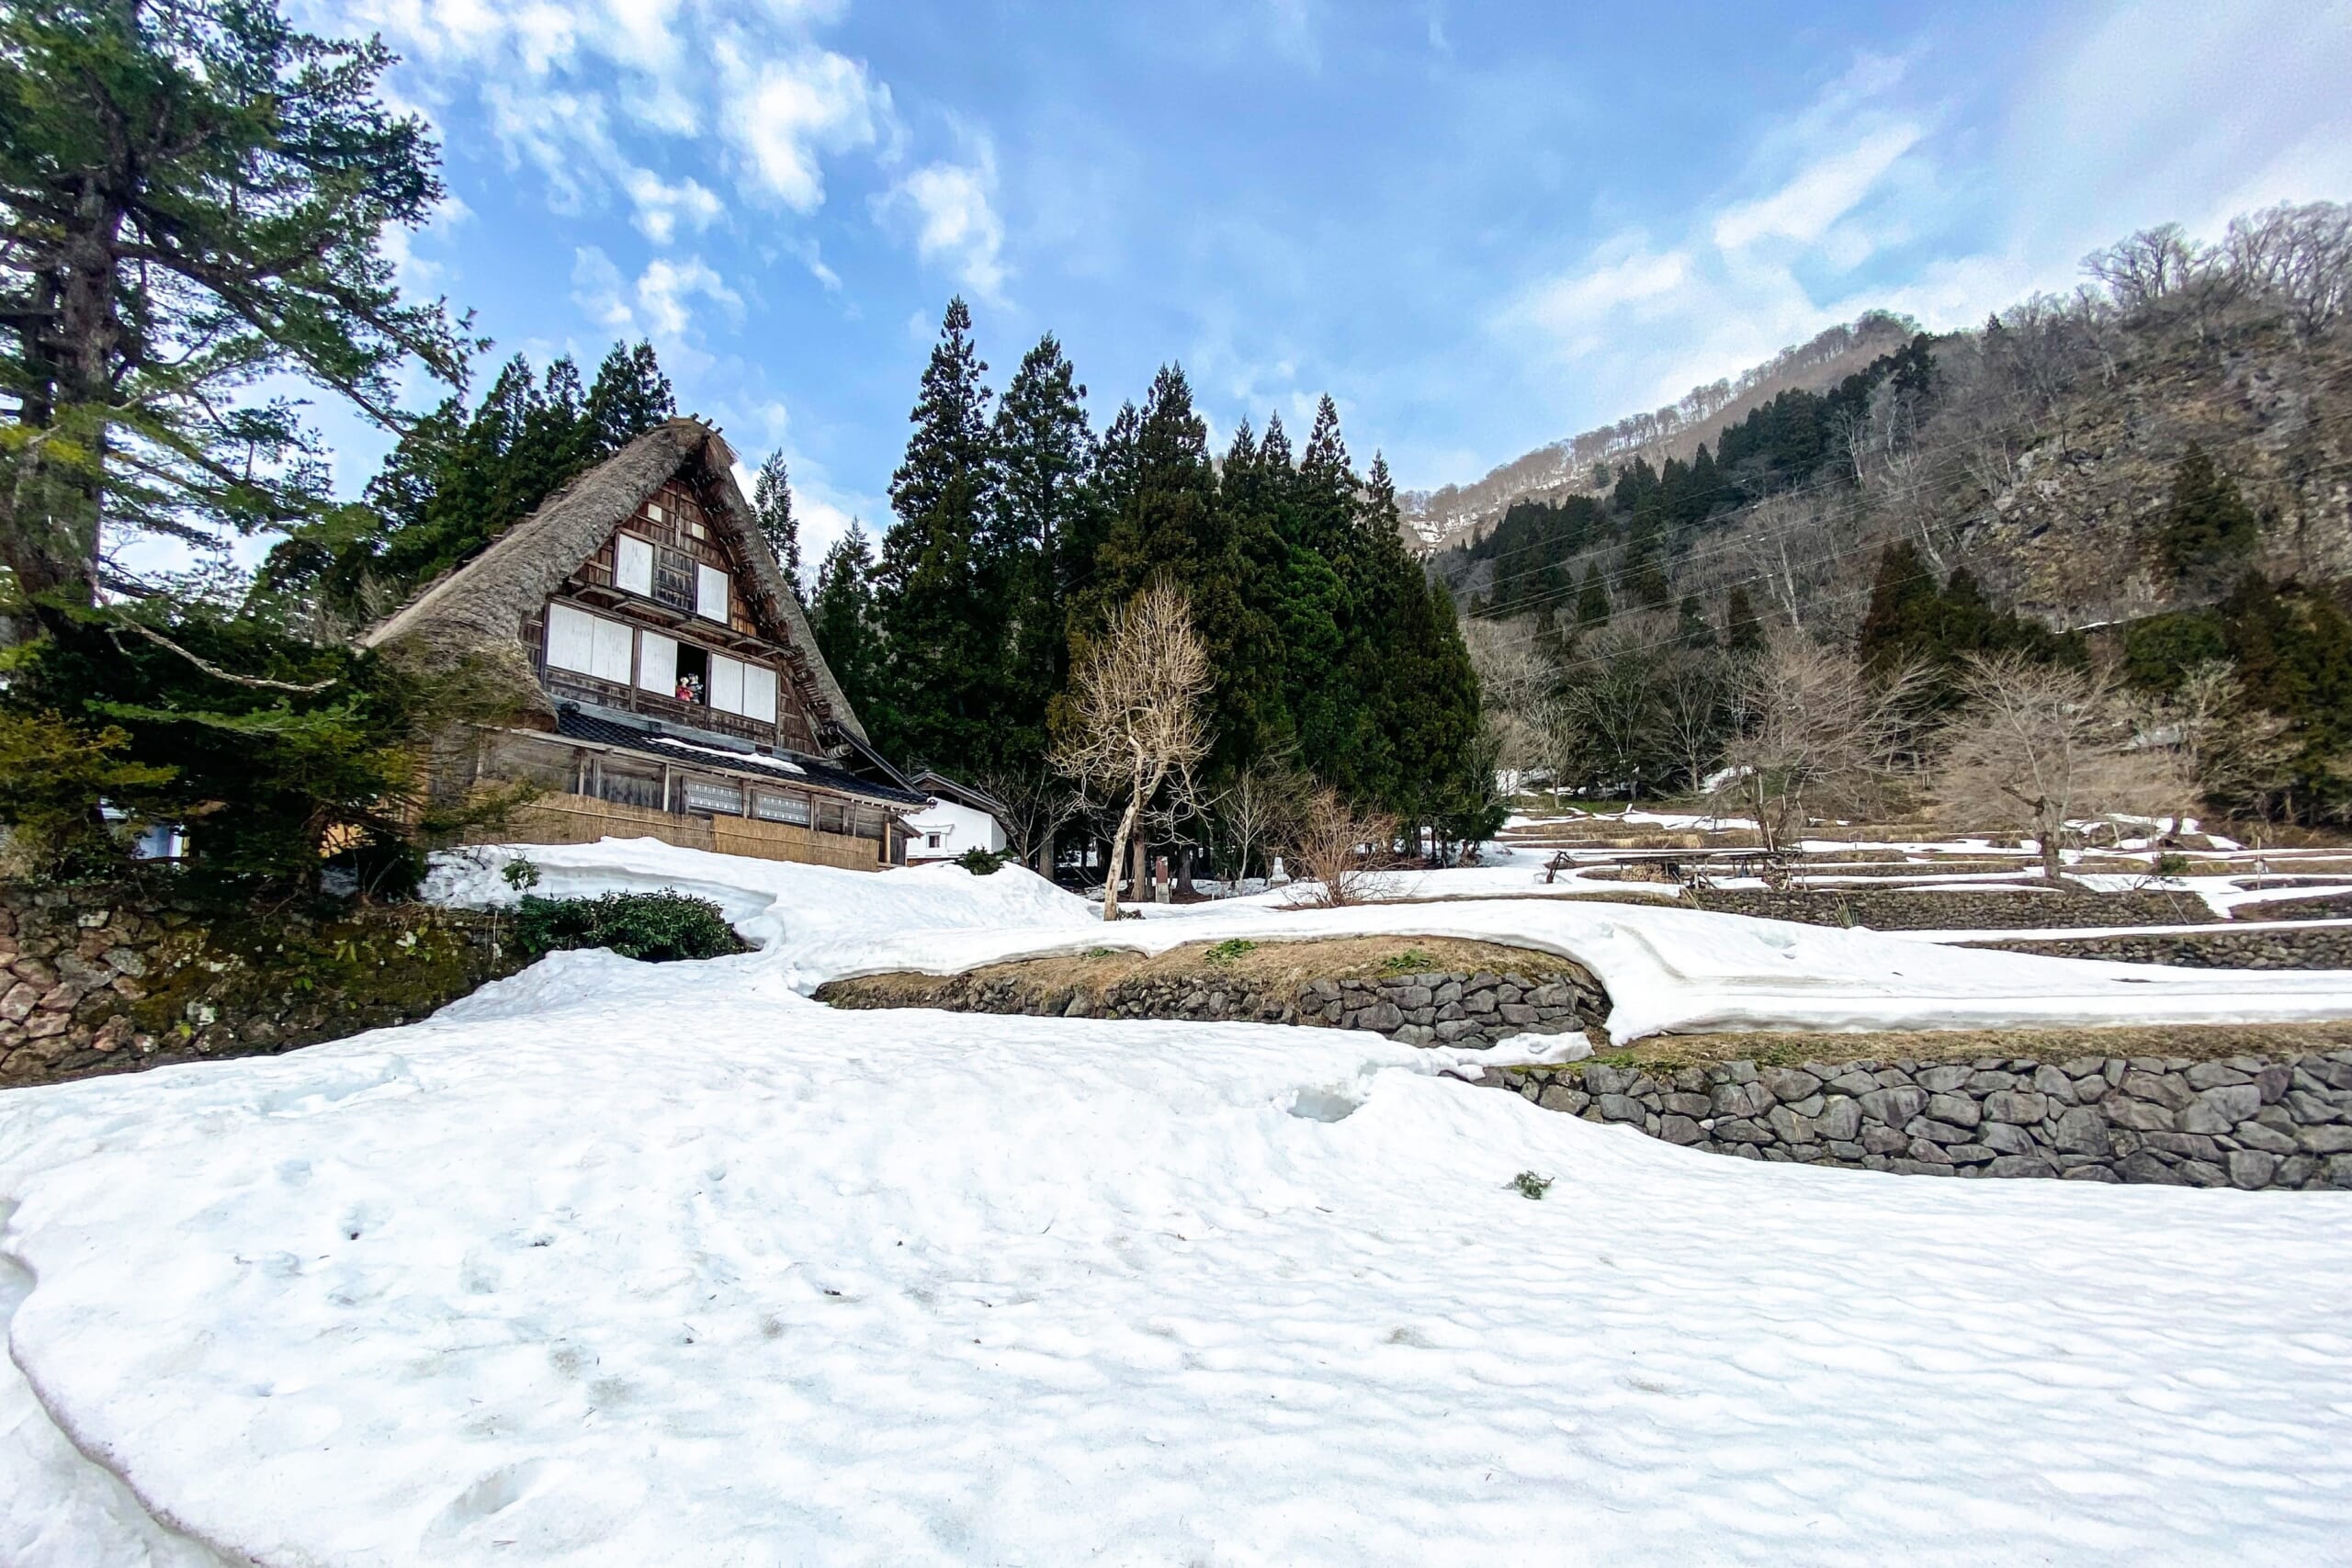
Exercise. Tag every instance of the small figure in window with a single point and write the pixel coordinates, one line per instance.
(690, 688)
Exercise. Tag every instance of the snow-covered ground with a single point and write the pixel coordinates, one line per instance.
(626, 1264)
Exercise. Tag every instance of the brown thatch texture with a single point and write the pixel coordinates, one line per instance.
(479, 609)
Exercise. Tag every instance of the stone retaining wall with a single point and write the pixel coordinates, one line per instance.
(2231, 948)
(1425, 1009)
(1936, 909)
(2250, 1122)
(95, 981)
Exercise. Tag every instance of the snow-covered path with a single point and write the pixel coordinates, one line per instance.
(623, 1264)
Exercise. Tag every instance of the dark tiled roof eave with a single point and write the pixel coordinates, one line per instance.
(791, 768)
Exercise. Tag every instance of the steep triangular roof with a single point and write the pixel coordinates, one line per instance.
(479, 608)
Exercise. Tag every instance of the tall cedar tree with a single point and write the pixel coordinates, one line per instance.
(938, 602)
(840, 615)
(1044, 517)
(1169, 527)
(194, 197)
(772, 508)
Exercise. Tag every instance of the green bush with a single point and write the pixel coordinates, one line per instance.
(655, 927)
(980, 862)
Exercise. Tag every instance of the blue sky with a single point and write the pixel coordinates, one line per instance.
(1479, 227)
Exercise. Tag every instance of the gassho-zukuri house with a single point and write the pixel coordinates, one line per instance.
(667, 681)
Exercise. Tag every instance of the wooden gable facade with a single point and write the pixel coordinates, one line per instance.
(657, 622)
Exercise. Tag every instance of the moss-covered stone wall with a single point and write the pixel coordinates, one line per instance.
(93, 981)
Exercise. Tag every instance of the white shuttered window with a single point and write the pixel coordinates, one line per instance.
(657, 663)
(633, 565)
(571, 639)
(615, 651)
(759, 693)
(710, 593)
(725, 683)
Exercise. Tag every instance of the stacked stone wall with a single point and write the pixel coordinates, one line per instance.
(2234, 947)
(2250, 1122)
(1422, 1009)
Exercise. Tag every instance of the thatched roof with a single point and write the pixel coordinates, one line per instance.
(478, 610)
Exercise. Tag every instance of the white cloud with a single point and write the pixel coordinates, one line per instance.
(1804, 208)
(667, 286)
(663, 204)
(1580, 309)
(782, 114)
(658, 305)
(953, 223)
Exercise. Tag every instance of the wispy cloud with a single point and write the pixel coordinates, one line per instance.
(955, 225)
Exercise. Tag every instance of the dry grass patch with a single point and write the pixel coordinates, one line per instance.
(1269, 967)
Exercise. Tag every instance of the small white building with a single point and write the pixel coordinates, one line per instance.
(959, 820)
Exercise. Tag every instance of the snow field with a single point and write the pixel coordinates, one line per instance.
(629, 1265)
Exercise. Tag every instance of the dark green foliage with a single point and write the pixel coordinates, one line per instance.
(1786, 442)
(980, 862)
(937, 600)
(264, 777)
(771, 509)
(196, 198)
(1041, 542)
(1912, 621)
(658, 928)
(457, 481)
(840, 615)
(1592, 599)
(1692, 629)
(2209, 528)
(1742, 628)
(2291, 650)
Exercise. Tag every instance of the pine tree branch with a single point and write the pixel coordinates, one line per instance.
(259, 683)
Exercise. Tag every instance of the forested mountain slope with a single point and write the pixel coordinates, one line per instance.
(2039, 451)
(1460, 515)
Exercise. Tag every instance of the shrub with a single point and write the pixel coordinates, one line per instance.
(979, 862)
(655, 927)
(1228, 950)
(1531, 1185)
(1341, 850)
(1410, 961)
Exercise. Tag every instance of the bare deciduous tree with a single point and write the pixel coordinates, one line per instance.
(1038, 804)
(1262, 808)
(1137, 719)
(2229, 750)
(1341, 851)
(1820, 735)
(2040, 745)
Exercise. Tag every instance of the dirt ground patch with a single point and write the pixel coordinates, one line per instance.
(2200, 1043)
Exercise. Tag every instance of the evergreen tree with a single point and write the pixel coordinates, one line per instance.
(455, 481)
(1045, 502)
(1171, 527)
(771, 509)
(941, 625)
(631, 396)
(1742, 628)
(1592, 599)
(196, 199)
(840, 615)
(1692, 629)
(2209, 527)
